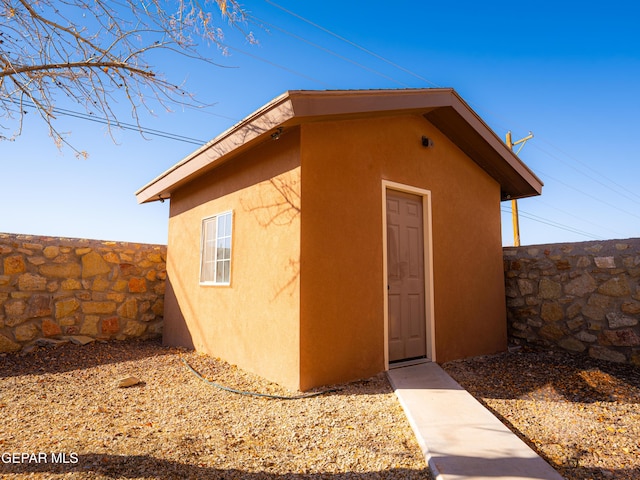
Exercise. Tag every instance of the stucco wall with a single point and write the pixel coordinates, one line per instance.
(54, 288)
(582, 297)
(306, 301)
(253, 322)
(342, 285)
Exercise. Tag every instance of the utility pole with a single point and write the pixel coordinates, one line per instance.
(514, 203)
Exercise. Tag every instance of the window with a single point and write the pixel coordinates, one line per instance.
(215, 264)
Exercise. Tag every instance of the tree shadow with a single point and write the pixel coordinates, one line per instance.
(69, 356)
(547, 375)
(278, 204)
(145, 466)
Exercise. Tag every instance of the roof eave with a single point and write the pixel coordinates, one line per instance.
(474, 137)
(235, 139)
(442, 107)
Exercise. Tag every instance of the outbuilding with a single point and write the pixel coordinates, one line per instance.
(333, 234)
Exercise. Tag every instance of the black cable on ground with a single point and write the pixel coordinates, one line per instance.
(256, 394)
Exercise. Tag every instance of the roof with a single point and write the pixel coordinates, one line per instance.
(443, 107)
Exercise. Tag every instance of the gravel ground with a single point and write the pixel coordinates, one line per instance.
(62, 408)
(581, 415)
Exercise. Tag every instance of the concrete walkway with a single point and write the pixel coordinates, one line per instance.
(459, 437)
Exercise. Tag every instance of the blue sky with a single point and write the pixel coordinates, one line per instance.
(569, 74)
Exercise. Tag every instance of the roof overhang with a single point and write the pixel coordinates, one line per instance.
(442, 107)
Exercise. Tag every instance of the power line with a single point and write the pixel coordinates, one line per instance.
(331, 52)
(598, 181)
(575, 217)
(551, 223)
(576, 160)
(277, 65)
(353, 44)
(597, 199)
(119, 124)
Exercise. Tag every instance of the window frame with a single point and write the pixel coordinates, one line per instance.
(212, 257)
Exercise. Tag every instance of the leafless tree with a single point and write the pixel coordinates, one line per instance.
(98, 51)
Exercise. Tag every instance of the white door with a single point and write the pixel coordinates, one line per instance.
(405, 276)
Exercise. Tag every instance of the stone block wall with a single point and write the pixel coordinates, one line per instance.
(581, 297)
(56, 289)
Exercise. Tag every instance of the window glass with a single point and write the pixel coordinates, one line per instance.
(215, 266)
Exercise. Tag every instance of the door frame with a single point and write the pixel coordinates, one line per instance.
(428, 265)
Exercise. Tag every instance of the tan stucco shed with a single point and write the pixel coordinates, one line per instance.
(332, 234)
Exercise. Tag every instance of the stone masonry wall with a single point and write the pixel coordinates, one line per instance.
(581, 297)
(55, 289)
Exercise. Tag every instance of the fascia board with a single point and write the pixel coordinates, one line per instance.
(309, 105)
(512, 160)
(235, 139)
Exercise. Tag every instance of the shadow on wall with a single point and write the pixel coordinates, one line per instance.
(276, 205)
(267, 161)
(175, 329)
(279, 205)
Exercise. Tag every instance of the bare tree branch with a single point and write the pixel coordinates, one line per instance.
(96, 52)
(65, 67)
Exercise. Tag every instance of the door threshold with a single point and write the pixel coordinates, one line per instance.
(408, 363)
